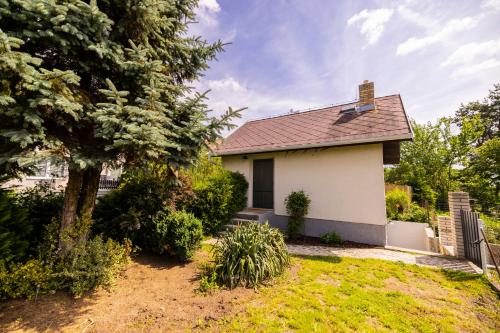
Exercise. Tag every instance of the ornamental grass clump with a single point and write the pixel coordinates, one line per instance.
(250, 255)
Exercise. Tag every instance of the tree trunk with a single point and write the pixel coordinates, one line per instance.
(88, 195)
(70, 206)
(79, 203)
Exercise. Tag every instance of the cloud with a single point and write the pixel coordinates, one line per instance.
(451, 28)
(210, 5)
(227, 84)
(466, 54)
(373, 22)
(474, 57)
(491, 4)
(229, 91)
(415, 18)
(469, 70)
(206, 13)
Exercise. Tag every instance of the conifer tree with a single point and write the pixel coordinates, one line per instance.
(101, 81)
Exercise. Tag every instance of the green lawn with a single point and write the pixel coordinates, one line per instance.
(367, 295)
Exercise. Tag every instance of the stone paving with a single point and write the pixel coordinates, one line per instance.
(386, 254)
(437, 260)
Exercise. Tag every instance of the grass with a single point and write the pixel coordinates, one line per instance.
(330, 294)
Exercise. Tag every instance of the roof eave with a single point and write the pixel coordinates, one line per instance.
(401, 137)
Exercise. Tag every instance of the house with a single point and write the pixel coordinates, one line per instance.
(335, 154)
(54, 173)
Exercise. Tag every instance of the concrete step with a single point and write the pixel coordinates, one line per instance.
(229, 227)
(237, 220)
(235, 223)
(247, 216)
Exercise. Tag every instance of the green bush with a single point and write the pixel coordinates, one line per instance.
(23, 217)
(297, 206)
(208, 279)
(177, 233)
(239, 191)
(25, 279)
(15, 229)
(129, 211)
(218, 197)
(43, 204)
(219, 193)
(212, 202)
(250, 255)
(415, 214)
(397, 203)
(331, 238)
(90, 264)
(492, 228)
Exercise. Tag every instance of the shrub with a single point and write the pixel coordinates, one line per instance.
(415, 214)
(297, 205)
(15, 228)
(43, 204)
(25, 279)
(219, 193)
(177, 233)
(331, 238)
(397, 202)
(91, 263)
(492, 228)
(129, 211)
(208, 279)
(249, 255)
(218, 197)
(239, 192)
(212, 202)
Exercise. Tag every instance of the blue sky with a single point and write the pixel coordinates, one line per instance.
(287, 54)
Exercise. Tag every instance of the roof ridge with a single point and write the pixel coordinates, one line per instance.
(313, 109)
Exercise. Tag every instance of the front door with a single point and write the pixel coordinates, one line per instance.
(263, 183)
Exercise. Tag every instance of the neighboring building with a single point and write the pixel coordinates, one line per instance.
(55, 174)
(335, 154)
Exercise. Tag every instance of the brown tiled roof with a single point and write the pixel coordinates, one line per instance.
(321, 128)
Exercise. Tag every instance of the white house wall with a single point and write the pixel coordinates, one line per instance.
(345, 184)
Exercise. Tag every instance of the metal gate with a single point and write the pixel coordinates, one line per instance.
(471, 233)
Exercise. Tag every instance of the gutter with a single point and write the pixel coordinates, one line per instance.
(401, 137)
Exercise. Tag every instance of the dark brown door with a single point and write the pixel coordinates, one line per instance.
(263, 183)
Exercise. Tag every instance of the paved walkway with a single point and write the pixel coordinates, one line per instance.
(386, 254)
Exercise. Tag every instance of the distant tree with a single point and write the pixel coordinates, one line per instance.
(95, 82)
(460, 152)
(431, 163)
(421, 165)
(488, 112)
(481, 177)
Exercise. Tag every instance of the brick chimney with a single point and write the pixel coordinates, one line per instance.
(366, 94)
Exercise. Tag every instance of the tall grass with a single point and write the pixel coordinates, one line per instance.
(249, 255)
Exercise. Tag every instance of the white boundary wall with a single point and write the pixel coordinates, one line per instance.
(408, 235)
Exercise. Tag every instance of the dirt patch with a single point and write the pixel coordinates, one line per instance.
(432, 290)
(155, 294)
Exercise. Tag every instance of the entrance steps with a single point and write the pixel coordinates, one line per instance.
(247, 216)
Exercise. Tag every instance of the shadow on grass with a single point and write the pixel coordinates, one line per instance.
(460, 276)
(328, 259)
